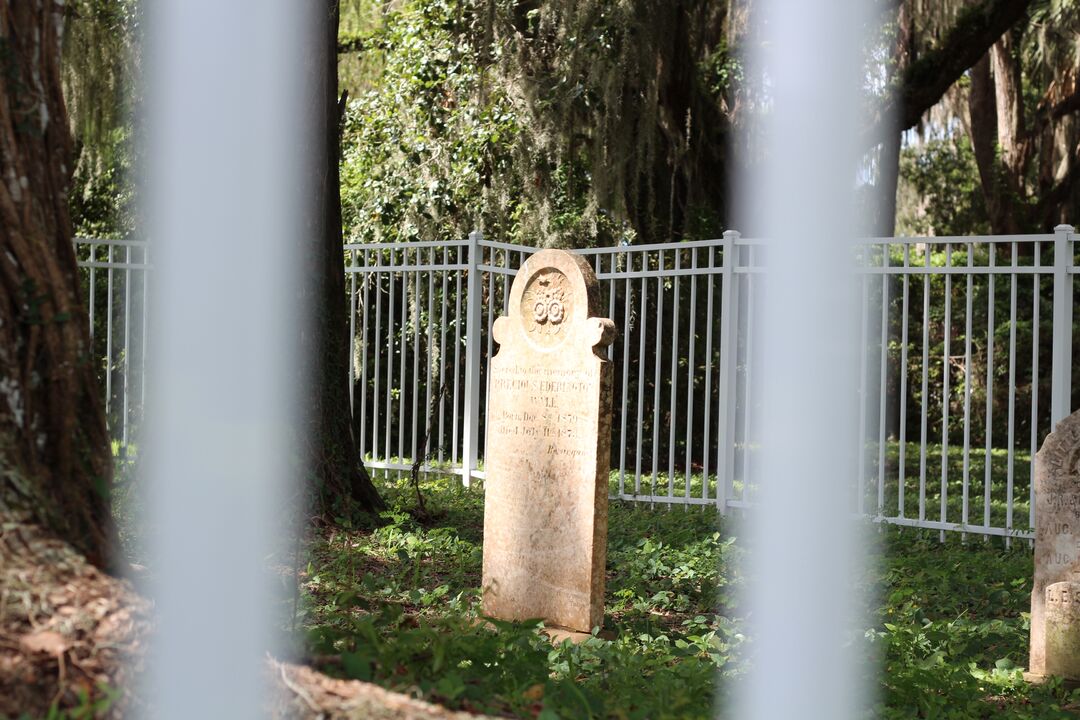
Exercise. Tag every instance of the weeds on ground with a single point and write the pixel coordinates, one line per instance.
(400, 606)
(952, 626)
(87, 709)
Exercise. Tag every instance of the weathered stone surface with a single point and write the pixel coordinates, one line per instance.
(1062, 620)
(548, 448)
(1057, 536)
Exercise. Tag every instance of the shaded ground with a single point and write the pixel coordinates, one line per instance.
(70, 635)
(944, 633)
(73, 641)
(398, 606)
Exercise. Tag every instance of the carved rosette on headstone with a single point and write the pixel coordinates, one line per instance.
(1055, 631)
(548, 447)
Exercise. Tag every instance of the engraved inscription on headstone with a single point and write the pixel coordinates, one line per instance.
(1057, 553)
(1062, 622)
(548, 447)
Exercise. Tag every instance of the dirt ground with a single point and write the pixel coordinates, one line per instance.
(75, 638)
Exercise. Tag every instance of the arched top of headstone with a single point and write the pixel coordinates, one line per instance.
(1060, 451)
(555, 300)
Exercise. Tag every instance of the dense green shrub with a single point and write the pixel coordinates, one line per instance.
(939, 191)
(557, 124)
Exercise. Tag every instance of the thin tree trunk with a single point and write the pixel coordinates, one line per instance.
(888, 179)
(55, 461)
(889, 164)
(341, 477)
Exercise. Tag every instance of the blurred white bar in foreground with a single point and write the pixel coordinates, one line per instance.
(225, 131)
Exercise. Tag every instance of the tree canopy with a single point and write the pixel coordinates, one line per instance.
(594, 123)
(583, 123)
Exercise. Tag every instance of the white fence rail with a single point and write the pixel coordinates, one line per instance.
(967, 359)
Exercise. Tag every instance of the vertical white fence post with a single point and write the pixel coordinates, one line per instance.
(472, 361)
(729, 351)
(1061, 371)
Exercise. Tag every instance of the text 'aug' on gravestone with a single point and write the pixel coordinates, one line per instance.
(548, 448)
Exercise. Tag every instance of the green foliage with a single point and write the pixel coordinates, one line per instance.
(939, 191)
(418, 152)
(953, 630)
(723, 72)
(102, 198)
(99, 71)
(956, 462)
(400, 606)
(360, 68)
(990, 340)
(539, 123)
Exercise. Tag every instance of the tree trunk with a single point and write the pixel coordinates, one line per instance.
(343, 483)
(55, 460)
(982, 107)
(884, 219)
(927, 78)
(1010, 111)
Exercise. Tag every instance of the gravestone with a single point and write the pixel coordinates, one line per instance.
(1055, 604)
(548, 448)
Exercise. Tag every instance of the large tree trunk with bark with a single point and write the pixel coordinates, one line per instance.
(55, 461)
(1008, 91)
(1006, 142)
(341, 478)
(982, 108)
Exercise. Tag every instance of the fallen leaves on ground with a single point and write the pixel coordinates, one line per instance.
(73, 637)
(70, 635)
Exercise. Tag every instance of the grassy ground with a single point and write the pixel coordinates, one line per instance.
(399, 605)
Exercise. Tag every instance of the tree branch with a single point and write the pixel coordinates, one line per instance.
(925, 81)
(1044, 115)
(1069, 105)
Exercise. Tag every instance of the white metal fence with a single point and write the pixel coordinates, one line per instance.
(970, 348)
(967, 360)
(116, 277)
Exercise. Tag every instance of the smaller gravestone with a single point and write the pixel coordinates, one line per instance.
(1055, 597)
(548, 446)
